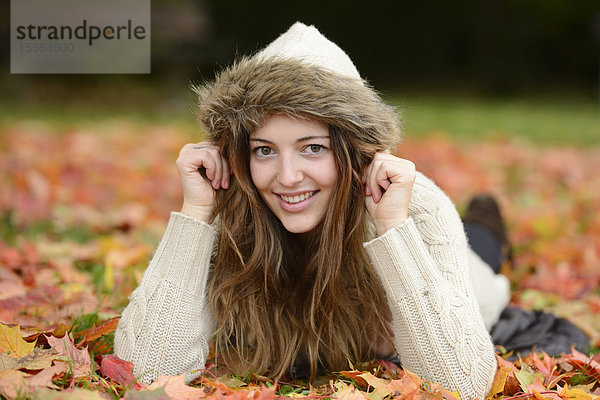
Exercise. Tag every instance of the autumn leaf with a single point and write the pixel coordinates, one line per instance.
(156, 394)
(12, 343)
(576, 394)
(11, 383)
(526, 377)
(499, 381)
(343, 391)
(89, 335)
(118, 370)
(176, 388)
(45, 376)
(380, 386)
(545, 365)
(79, 359)
(37, 359)
(69, 394)
(15, 383)
(584, 362)
(355, 375)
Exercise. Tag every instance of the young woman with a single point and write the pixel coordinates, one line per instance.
(302, 240)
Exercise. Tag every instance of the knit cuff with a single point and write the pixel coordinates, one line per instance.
(401, 260)
(184, 253)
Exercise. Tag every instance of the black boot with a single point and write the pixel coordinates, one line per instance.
(486, 231)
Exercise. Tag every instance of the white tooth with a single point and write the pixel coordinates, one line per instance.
(297, 198)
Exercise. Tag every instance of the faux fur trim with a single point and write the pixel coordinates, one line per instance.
(242, 95)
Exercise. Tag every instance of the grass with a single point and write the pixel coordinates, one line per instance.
(540, 121)
(548, 121)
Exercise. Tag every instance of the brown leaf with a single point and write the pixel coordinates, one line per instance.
(156, 394)
(11, 383)
(69, 394)
(12, 343)
(45, 376)
(37, 359)
(80, 359)
(15, 383)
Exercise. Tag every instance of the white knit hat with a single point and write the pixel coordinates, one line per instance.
(308, 44)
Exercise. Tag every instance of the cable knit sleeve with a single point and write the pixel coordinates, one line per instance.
(423, 266)
(167, 326)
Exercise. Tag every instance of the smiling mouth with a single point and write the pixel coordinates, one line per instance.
(297, 198)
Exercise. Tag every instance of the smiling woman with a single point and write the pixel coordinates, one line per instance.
(302, 242)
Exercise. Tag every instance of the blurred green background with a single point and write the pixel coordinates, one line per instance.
(467, 69)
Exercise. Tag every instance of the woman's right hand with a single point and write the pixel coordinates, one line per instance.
(199, 192)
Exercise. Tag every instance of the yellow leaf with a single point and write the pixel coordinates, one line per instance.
(12, 343)
(344, 391)
(575, 394)
(380, 389)
(499, 381)
(109, 275)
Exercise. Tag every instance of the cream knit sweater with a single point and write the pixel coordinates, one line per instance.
(425, 267)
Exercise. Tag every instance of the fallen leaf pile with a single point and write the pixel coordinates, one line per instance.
(83, 208)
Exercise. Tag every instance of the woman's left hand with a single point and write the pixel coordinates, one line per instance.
(388, 186)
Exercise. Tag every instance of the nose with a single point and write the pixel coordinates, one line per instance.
(290, 171)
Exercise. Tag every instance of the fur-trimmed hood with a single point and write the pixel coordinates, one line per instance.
(242, 95)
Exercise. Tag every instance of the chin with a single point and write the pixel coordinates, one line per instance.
(298, 227)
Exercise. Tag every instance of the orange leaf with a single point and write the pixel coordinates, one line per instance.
(582, 361)
(176, 388)
(499, 381)
(12, 342)
(89, 335)
(356, 376)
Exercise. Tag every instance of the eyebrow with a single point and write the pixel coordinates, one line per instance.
(302, 139)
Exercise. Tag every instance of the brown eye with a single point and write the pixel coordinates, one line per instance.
(263, 151)
(315, 148)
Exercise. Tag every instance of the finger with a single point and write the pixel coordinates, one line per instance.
(226, 173)
(207, 161)
(218, 169)
(382, 176)
(374, 186)
(366, 175)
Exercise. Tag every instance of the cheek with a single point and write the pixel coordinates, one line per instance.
(329, 174)
(258, 175)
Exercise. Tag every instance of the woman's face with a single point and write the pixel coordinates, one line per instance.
(293, 168)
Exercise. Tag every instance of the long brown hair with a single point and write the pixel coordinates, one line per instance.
(279, 299)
